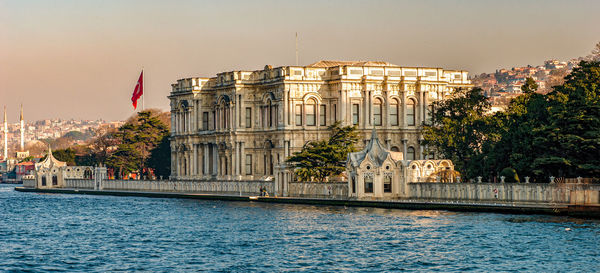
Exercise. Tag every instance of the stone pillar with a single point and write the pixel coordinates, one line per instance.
(206, 159)
(402, 115)
(215, 159)
(236, 159)
(195, 160)
(425, 104)
(404, 149)
(242, 160)
(479, 179)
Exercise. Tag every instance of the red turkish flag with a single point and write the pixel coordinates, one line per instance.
(138, 91)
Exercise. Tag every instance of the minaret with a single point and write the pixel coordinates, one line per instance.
(22, 131)
(5, 135)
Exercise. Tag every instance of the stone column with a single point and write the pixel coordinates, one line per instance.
(402, 116)
(425, 103)
(404, 149)
(421, 102)
(242, 159)
(215, 159)
(195, 160)
(206, 159)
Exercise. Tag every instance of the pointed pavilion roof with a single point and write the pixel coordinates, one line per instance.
(50, 161)
(375, 151)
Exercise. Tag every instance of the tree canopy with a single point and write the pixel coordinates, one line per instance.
(325, 158)
(137, 138)
(538, 135)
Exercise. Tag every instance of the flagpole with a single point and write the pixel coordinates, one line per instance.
(144, 90)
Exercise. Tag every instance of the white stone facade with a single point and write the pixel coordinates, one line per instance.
(242, 125)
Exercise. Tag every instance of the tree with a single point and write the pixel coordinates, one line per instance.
(325, 158)
(572, 144)
(460, 130)
(595, 55)
(103, 144)
(160, 158)
(529, 86)
(137, 138)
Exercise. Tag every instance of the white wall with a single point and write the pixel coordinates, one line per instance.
(337, 190)
(507, 192)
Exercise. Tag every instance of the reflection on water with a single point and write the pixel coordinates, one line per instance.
(103, 233)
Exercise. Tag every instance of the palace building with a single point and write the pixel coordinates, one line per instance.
(242, 125)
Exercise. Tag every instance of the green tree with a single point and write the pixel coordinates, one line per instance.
(137, 138)
(160, 158)
(572, 142)
(460, 130)
(510, 175)
(529, 86)
(324, 158)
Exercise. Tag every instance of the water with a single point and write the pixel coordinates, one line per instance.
(79, 233)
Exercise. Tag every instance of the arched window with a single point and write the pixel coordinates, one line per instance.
(394, 112)
(377, 112)
(44, 180)
(54, 180)
(395, 149)
(310, 112)
(410, 112)
(410, 153)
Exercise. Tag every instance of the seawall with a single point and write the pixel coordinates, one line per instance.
(514, 208)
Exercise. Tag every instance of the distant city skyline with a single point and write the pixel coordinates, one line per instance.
(81, 59)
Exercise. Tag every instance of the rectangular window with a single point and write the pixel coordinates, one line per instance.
(368, 184)
(377, 114)
(310, 115)
(410, 114)
(334, 113)
(394, 114)
(387, 183)
(248, 117)
(298, 112)
(248, 164)
(355, 114)
(205, 121)
(323, 115)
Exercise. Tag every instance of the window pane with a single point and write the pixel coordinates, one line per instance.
(377, 113)
(205, 120)
(310, 114)
(355, 114)
(394, 113)
(248, 117)
(298, 114)
(410, 112)
(334, 113)
(322, 116)
(387, 184)
(368, 184)
(410, 153)
(248, 164)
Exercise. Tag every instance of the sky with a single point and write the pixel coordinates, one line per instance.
(81, 59)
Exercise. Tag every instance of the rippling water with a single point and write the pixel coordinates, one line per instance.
(52, 232)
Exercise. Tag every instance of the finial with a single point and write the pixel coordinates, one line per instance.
(21, 112)
(374, 133)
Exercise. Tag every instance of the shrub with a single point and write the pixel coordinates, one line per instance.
(510, 175)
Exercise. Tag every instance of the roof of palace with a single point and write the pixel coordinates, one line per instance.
(375, 151)
(329, 63)
(50, 161)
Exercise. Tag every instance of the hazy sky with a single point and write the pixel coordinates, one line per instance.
(81, 59)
